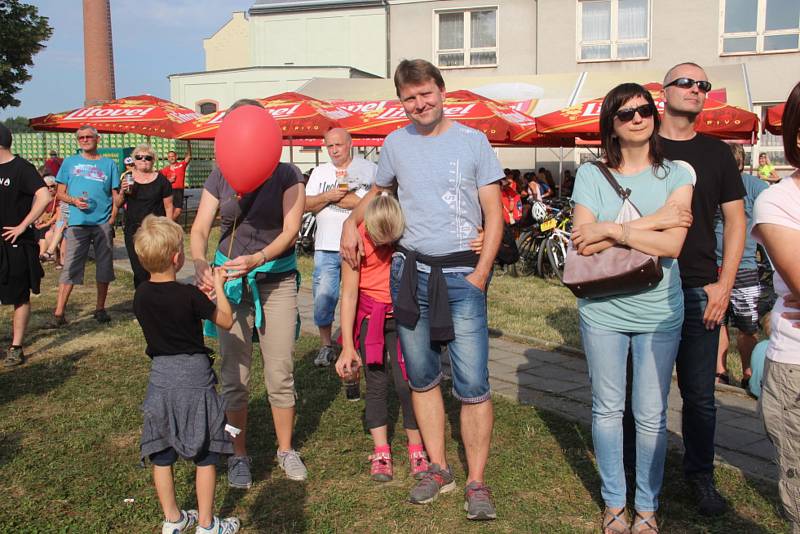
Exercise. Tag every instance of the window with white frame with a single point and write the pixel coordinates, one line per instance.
(759, 26)
(466, 38)
(613, 30)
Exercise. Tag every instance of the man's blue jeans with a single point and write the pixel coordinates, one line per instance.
(696, 366)
(325, 285)
(469, 351)
(653, 357)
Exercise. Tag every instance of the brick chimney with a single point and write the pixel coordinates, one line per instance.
(98, 52)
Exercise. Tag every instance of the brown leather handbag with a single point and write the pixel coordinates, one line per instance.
(618, 270)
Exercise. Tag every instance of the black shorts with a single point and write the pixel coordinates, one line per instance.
(17, 291)
(177, 199)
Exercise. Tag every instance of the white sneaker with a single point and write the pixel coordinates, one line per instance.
(188, 520)
(229, 525)
(292, 465)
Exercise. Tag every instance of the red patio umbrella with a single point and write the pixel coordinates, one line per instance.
(774, 122)
(298, 115)
(499, 122)
(717, 119)
(142, 114)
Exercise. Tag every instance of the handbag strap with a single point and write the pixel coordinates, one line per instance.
(623, 193)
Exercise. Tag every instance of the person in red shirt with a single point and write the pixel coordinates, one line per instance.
(512, 202)
(53, 163)
(176, 174)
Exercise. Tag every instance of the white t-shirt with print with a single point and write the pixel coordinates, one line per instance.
(360, 176)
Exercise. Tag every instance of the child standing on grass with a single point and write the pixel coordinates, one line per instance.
(183, 414)
(366, 318)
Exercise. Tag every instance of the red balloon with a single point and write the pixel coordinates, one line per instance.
(248, 147)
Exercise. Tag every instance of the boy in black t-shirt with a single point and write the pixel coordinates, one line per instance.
(23, 199)
(183, 414)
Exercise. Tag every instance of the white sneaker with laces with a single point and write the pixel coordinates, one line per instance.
(292, 465)
(229, 525)
(188, 520)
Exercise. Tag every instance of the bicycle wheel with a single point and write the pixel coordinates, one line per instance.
(526, 265)
(556, 254)
(543, 267)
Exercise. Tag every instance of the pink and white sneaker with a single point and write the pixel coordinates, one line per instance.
(381, 469)
(419, 463)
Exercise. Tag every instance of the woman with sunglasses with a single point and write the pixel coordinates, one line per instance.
(145, 192)
(776, 224)
(647, 323)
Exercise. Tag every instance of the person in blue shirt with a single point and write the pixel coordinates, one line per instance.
(743, 307)
(89, 183)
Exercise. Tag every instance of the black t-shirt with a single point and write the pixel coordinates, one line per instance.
(263, 220)
(718, 182)
(170, 314)
(147, 199)
(19, 182)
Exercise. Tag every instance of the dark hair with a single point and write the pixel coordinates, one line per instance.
(738, 154)
(245, 102)
(608, 139)
(416, 72)
(791, 127)
(6, 137)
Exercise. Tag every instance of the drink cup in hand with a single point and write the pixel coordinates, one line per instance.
(352, 383)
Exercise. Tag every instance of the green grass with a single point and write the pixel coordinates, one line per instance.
(70, 422)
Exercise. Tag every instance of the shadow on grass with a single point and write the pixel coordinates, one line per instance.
(9, 446)
(37, 378)
(565, 321)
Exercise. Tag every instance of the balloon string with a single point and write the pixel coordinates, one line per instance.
(233, 236)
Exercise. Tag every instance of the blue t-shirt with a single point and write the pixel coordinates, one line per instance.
(91, 178)
(754, 186)
(657, 309)
(438, 178)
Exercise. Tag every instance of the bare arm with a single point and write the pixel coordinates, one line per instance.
(349, 201)
(293, 203)
(349, 359)
(168, 207)
(489, 197)
(61, 194)
(188, 156)
(198, 240)
(781, 244)
(223, 314)
(316, 203)
(592, 237)
(41, 198)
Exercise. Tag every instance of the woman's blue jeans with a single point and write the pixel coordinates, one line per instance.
(653, 359)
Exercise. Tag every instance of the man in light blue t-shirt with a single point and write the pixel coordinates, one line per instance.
(447, 179)
(89, 183)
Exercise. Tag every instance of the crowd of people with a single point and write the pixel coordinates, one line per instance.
(409, 244)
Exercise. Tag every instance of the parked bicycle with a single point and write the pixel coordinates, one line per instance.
(542, 246)
(305, 238)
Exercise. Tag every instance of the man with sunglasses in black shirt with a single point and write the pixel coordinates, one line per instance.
(706, 288)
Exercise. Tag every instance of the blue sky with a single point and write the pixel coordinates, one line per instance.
(152, 39)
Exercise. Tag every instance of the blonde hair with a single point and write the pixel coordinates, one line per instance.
(157, 240)
(384, 220)
(146, 149)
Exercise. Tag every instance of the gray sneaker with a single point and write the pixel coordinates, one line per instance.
(239, 472)
(292, 465)
(433, 482)
(14, 357)
(478, 502)
(325, 356)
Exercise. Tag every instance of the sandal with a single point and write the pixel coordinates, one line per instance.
(723, 378)
(610, 518)
(642, 524)
(46, 257)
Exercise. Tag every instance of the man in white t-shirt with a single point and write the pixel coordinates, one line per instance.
(332, 191)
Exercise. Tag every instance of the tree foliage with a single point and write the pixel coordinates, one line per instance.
(23, 33)
(18, 124)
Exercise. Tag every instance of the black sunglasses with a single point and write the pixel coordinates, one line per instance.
(688, 83)
(644, 111)
(146, 158)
